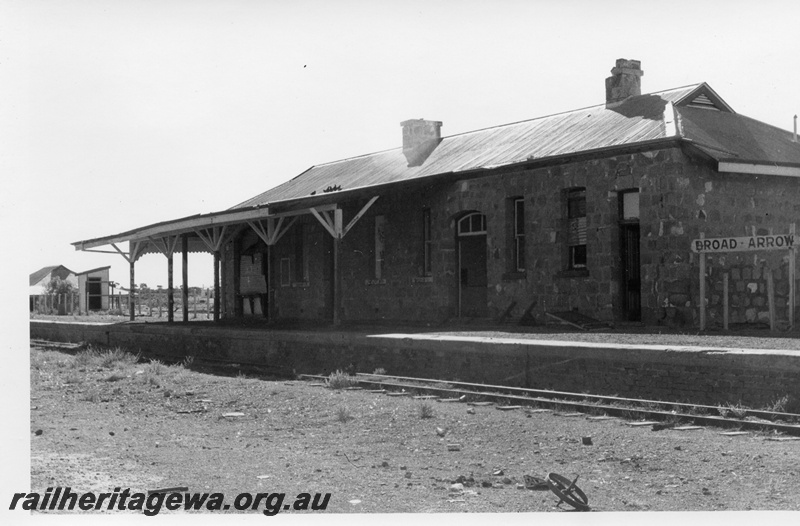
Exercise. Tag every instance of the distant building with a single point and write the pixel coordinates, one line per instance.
(91, 286)
(93, 289)
(39, 279)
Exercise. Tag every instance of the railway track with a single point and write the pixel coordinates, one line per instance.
(666, 414)
(670, 413)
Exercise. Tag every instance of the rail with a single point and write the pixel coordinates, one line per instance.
(630, 408)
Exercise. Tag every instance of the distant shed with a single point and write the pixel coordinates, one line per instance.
(38, 280)
(93, 289)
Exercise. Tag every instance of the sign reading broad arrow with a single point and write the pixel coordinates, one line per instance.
(744, 244)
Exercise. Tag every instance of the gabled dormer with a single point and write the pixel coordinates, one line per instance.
(705, 98)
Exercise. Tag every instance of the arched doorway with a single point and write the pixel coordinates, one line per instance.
(472, 294)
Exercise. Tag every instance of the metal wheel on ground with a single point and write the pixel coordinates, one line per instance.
(567, 491)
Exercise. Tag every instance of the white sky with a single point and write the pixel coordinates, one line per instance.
(119, 114)
(134, 112)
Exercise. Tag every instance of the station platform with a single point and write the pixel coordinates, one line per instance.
(609, 363)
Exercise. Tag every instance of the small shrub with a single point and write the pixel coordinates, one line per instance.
(425, 410)
(86, 357)
(116, 377)
(187, 361)
(340, 380)
(343, 415)
(155, 368)
(73, 379)
(117, 357)
(380, 370)
(778, 405)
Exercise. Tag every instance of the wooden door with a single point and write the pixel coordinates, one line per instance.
(631, 272)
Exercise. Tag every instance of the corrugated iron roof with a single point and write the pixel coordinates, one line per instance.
(712, 127)
(730, 137)
(634, 120)
(42, 273)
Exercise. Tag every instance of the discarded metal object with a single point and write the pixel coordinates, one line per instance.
(568, 492)
(587, 441)
(508, 407)
(453, 447)
(232, 415)
(578, 320)
(535, 483)
(642, 423)
(687, 428)
(481, 404)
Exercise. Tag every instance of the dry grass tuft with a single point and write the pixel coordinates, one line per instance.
(340, 380)
(343, 415)
(425, 410)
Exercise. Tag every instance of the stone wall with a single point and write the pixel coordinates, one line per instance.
(680, 197)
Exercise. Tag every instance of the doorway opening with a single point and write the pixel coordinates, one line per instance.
(472, 293)
(631, 288)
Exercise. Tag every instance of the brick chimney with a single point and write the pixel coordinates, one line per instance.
(420, 138)
(625, 80)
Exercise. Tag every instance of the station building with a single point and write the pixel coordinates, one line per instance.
(595, 211)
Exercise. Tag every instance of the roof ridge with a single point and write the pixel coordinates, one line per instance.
(584, 108)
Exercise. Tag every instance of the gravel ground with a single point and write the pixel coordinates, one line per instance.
(97, 423)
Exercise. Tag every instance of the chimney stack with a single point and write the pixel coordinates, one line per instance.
(625, 80)
(420, 138)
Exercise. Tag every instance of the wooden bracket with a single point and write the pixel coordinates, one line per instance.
(358, 215)
(170, 243)
(213, 237)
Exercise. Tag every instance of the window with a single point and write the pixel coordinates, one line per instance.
(576, 228)
(518, 246)
(380, 224)
(629, 209)
(427, 243)
(473, 224)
